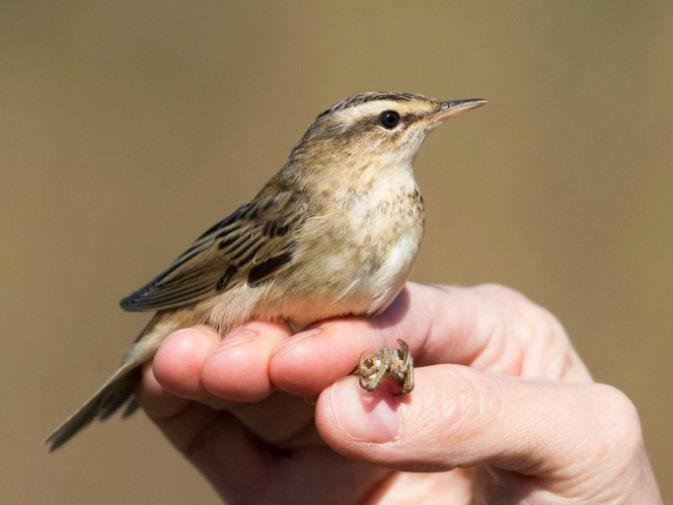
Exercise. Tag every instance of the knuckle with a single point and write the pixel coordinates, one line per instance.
(622, 431)
(519, 313)
(514, 304)
(499, 291)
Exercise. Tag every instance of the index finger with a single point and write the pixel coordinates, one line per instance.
(488, 327)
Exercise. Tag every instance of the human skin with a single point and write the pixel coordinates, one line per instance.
(504, 411)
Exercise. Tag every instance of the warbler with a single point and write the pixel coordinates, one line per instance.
(334, 232)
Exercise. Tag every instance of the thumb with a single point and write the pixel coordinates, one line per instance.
(459, 417)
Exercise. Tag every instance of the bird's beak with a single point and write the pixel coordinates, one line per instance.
(451, 108)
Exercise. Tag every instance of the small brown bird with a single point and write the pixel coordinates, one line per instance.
(333, 233)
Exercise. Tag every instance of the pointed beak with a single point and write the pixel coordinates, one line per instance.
(451, 108)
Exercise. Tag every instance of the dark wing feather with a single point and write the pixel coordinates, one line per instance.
(251, 238)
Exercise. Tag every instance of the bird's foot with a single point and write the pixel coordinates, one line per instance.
(396, 363)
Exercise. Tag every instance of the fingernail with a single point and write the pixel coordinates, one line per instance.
(237, 337)
(370, 417)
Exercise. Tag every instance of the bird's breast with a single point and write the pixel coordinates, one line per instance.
(376, 233)
(389, 236)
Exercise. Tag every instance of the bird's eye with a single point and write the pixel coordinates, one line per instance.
(389, 119)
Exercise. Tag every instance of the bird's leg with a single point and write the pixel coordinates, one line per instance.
(371, 369)
(406, 368)
(397, 363)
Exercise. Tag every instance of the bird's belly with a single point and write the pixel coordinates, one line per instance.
(395, 268)
(348, 286)
(367, 265)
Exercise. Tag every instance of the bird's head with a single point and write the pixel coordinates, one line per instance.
(376, 127)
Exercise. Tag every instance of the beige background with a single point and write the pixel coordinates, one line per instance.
(128, 127)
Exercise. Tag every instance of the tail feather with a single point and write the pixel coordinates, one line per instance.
(122, 396)
(131, 407)
(111, 395)
(118, 389)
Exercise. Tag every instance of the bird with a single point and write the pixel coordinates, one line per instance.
(333, 233)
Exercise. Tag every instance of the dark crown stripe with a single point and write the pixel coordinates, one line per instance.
(373, 96)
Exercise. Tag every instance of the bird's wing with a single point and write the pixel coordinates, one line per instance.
(254, 243)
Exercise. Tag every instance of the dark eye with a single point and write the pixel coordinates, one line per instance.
(389, 119)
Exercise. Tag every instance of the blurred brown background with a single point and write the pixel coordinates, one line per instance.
(128, 127)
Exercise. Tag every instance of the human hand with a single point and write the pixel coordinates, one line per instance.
(504, 411)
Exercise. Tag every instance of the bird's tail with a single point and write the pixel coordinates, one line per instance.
(118, 388)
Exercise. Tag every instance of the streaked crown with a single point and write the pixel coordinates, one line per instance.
(377, 123)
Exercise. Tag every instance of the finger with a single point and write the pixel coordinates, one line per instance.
(315, 358)
(459, 417)
(488, 327)
(154, 399)
(238, 368)
(182, 421)
(197, 364)
(178, 363)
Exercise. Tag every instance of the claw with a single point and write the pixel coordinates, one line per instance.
(397, 363)
(408, 384)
